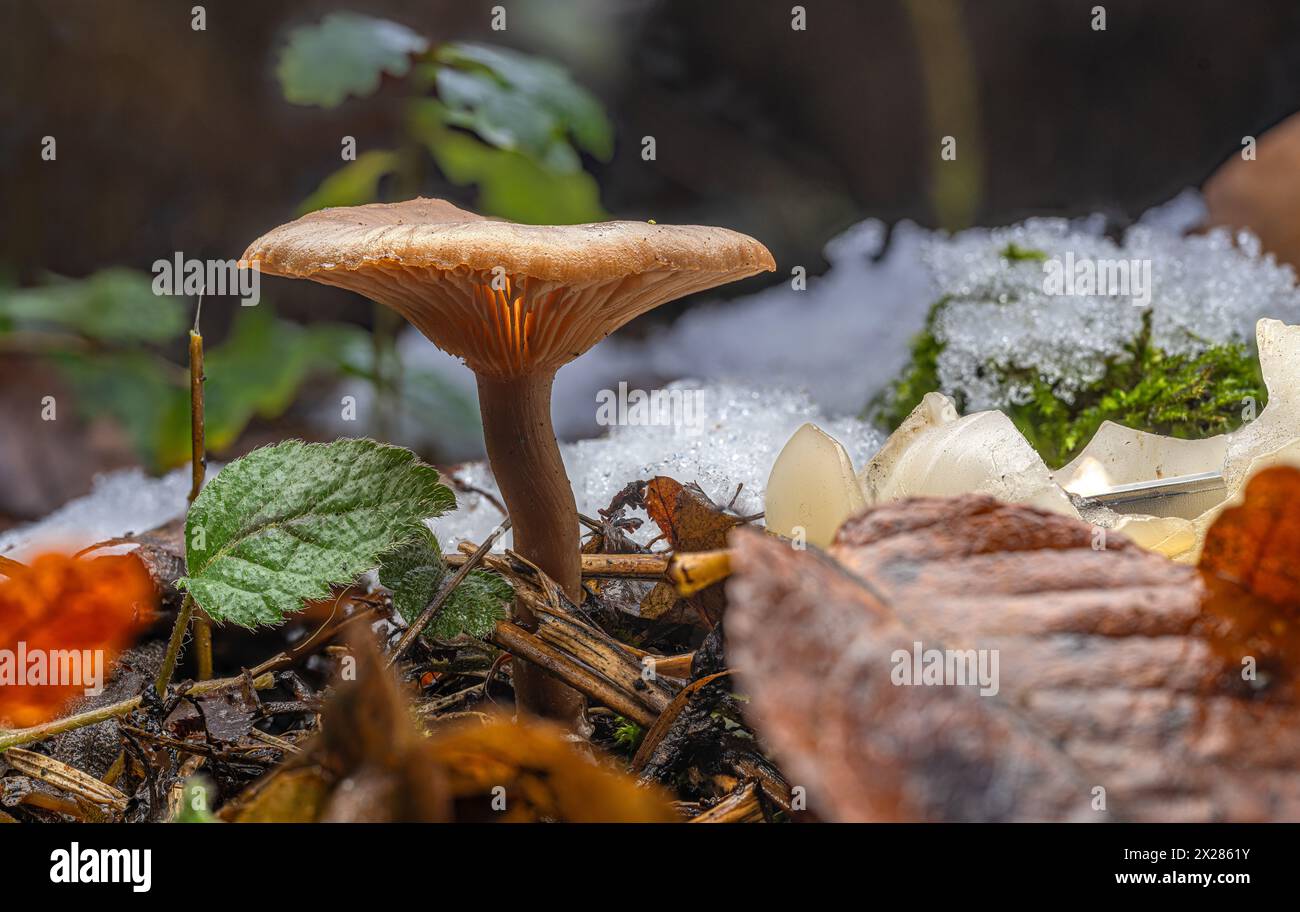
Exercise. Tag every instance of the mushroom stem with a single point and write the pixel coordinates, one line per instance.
(526, 462)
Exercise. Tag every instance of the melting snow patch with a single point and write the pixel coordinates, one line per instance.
(119, 504)
(1205, 290)
(741, 432)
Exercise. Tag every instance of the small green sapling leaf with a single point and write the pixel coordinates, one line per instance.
(284, 523)
(344, 54)
(415, 570)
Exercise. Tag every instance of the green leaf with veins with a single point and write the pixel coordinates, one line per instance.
(505, 118)
(537, 84)
(344, 54)
(284, 523)
(415, 571)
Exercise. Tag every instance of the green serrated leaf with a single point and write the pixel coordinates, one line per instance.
(415, 571)
(481, 599)
(284, 523)
(542, 85)
(344, 54)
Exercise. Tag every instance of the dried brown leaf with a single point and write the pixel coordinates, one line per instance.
(1117, 671)
(1257, 545)
(689, 521)
(539, 775)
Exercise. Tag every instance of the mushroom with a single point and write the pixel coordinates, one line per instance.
(515, 302)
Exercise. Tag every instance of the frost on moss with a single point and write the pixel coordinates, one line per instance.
(1188, 396)
(1060, 365)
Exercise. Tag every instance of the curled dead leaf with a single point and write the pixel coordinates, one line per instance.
(690, 522)
(1116, 690)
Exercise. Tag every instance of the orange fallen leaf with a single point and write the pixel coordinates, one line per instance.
(63, 621)
(1257, 545)
(689, 521)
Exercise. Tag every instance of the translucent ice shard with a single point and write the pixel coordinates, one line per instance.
(812, 487)
(1126, 456)
(936, 453)
(1279, 423)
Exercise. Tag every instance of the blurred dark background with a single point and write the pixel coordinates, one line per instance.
(173, 139)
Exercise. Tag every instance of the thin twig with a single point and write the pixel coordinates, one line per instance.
(431, 610)
(283, 746)
(174, 644)
(623, 566)
(99, 714)
(467, 488)
(744, 805)
(9, 566)
(523, 645)
(62, 776)
(285, 659)
(198, 472)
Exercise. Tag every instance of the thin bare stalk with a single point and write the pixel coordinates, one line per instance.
(174, 644)
(19, 736)
(198, 471)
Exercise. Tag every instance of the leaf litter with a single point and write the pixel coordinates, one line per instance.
(1119, 671)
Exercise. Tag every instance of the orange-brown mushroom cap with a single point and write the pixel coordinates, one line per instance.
(509, 299)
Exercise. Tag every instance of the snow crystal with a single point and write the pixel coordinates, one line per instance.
(119, 504)
(741, 432)
(1205, 290)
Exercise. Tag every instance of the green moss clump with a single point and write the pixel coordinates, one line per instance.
(627, 734)
(1188, 396)
(1017, 254)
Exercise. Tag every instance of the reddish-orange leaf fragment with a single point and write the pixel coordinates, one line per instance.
(690, 521)
(1257, 545)
(63, 620)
